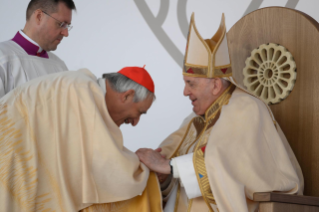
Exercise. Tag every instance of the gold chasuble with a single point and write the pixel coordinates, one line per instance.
(61, 151)
(237, 151)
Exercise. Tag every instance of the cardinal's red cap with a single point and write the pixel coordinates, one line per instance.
(140, 76)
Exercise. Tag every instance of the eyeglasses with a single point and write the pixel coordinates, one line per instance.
(61, 24)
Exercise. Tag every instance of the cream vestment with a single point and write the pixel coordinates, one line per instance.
(237, 151)
(61, 151)
(234, 150)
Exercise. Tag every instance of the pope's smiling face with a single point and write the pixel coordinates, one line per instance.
(200, 92)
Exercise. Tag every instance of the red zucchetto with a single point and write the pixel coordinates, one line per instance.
(140, 76)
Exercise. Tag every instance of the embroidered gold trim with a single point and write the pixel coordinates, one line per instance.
(190, 204)
(202, 72)
(196, 66)
(204, 76)
(194, 75)
(225, 75)
(199, 163)
(196, 70)
(177, 197)
(199, 156)
(201, 124)
(224, 66)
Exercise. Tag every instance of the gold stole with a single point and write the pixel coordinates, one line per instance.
(149, 201)
(197, 132)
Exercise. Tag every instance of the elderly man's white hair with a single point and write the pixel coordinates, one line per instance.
(121, 83)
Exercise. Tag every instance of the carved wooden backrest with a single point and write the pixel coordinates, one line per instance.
(298, 114)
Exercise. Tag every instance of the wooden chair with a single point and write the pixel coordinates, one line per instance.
(298, 114)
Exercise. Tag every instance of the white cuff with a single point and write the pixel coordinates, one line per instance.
(175, 170)
(183, 168)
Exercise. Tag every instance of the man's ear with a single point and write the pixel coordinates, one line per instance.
(128, 96)
(38, 16)
(217, 86)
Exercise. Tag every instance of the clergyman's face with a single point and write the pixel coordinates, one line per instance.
(134, 110)
(51, 33)
(199, 91)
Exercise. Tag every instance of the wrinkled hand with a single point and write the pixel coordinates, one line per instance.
(154, 160)
(161, 177)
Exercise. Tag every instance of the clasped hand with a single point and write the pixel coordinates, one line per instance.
(155, 161)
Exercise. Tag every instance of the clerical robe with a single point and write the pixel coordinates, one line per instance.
(21, 60)
(236, 149)
(61, 151)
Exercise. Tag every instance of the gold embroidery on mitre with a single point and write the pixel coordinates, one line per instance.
(207, 58)
(223, 72)
(191, 70)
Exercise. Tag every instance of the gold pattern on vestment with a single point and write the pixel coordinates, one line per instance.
(211, 116)
(190, 205)
(199, 128)
(177, 197)
(16, 173)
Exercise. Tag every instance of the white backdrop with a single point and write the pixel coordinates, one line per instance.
(111, 34)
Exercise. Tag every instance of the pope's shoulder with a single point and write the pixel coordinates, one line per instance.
(245, 101)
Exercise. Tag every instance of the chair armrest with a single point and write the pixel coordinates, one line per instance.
(285, 198)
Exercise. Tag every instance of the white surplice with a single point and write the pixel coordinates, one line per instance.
(18, 67)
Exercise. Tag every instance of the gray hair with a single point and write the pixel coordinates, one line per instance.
(121, 83)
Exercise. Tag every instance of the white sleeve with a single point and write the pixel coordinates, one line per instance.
(183, 168)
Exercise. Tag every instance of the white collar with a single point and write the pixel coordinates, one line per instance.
(30, 40)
